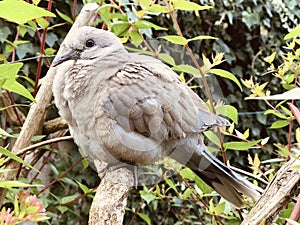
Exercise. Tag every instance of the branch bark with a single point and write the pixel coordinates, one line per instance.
(108, 207)
(277, 195)
(35, 117)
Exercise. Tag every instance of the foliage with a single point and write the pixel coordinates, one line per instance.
(230, 39)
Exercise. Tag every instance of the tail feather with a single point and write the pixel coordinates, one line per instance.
(226, 182)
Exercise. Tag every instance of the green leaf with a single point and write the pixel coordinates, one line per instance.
(16, 158)
(187, 173)
(135, 38)
(68, 199)
(240, 145)
(175, 39)
(226, 74)
(294, 33)
(8, 81)
(202, 37)
(278, 114)
(157, 9)
(148, 197)
(120, 27)
(228, 111)
(186, 69)
(187, 193)
(83, 187)
(22, 11)
(279, 124)
(171, 184)
(64, 17)
(167, 58)
(205, 188)
(15, 183)
(4, 133)
(144, 24)
(212, 137)
(145, 218)
(270, 58)
(219, 209)
(186, 5)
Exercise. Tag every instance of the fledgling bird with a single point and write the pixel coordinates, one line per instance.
(132, 108)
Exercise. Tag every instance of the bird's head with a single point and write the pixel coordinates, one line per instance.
(87, 43)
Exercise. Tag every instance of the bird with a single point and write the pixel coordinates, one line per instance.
(132, 108)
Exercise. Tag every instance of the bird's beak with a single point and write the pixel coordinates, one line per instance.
(70, 54)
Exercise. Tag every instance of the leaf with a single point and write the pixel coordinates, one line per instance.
(148, 197)
(294, 33)
(187, 173)
(145, 217)
(22, 11)
(4, 133)
(212, 137)
(167, 59)
(205, 188)
(187, 193)
(240, 145)
(8, 73)
(175, 39)
(278, 114)
(228, 111)
(15, 183)
(293, 94)
(279, 124)
(226, 74)
(68, 199)
(144, 24)
(157, 9)
(120, 27)
(16, 158)
(186, 5)
(171, 184)
(186, 69)
(202, 37)
(270, 58)
(64, 17)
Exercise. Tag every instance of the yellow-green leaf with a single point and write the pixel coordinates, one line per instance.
(16, 158)
(175, 39)
(240, 145)
(279, 124)
(187, 5)
(226, 74)
(294, 33)
(202, 37)
(22, 11)
(186, 69)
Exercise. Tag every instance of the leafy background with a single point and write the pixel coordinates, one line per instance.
(246, 31)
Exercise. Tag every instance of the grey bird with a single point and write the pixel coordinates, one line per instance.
(132, 108)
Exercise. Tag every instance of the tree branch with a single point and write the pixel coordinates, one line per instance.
(36, 114)
(277, 195)
(108, 207)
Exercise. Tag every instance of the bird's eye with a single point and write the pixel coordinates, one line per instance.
(89, 43)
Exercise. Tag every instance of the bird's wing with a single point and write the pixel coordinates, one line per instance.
(147, 101)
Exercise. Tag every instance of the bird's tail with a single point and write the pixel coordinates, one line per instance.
(226, 182)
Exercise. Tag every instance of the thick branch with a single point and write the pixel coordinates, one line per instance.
(35, 117)
(109, 203)
(277, 195)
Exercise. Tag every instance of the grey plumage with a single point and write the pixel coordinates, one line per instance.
(132, 108)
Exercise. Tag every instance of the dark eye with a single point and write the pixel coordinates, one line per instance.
(89, 43)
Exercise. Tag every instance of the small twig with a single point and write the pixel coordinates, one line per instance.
(249, 175)
(38, 145)
(61, 175)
